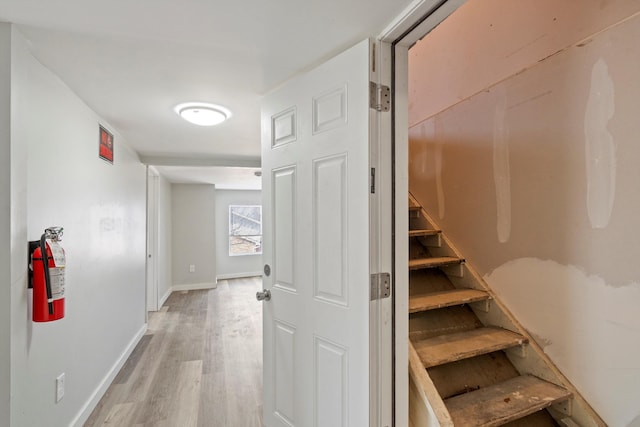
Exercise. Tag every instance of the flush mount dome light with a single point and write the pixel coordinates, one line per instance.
(202, 114)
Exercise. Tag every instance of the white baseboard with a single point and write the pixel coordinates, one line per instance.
(164, 298)
(239, 275)
(97, 394)
(193, 287)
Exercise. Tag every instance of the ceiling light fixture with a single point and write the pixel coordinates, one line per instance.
(202, 114)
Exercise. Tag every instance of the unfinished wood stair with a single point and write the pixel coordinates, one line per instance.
(423, 233)
(433, 262)
(504, 402)
(470, 361)
(449, 348)
(442, 299)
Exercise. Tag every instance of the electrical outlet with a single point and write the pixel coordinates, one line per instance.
(192, 268)
(59, 387)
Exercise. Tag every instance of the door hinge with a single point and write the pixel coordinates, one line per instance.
(373, 180)
(379, 97)
(380, 286)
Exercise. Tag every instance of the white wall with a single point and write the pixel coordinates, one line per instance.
(58, 179)
(193, 230)
(529, 162)
(5, 222)
(234, 266)
(165, 223)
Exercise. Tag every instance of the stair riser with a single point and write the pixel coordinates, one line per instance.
(455, 357)
(431, 241)
(457, 270)
(437, 322)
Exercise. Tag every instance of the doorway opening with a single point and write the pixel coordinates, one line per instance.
(188, 227)
(494, 100)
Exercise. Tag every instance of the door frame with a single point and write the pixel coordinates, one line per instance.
(151, 264)
(416, 21)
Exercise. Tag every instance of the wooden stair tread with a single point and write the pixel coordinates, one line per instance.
(420, 263)
(423, 233)
(463, 345)
(443, 299)
(504, 402)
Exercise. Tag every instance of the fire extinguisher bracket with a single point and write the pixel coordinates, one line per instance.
(33, 245)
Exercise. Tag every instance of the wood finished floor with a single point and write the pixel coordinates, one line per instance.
(199, 364)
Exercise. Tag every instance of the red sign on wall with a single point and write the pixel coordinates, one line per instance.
(106, 145)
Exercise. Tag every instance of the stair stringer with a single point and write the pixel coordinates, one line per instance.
(427, 393)
(534, 361)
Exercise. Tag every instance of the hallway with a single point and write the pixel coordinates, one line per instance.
(199, 364)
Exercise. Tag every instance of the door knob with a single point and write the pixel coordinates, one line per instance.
(265, 295)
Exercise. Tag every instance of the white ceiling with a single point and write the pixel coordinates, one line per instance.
(133, 61)
(225, 178)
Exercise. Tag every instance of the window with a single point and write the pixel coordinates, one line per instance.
(245, 230)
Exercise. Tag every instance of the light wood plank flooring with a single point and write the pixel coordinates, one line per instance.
(199, 365)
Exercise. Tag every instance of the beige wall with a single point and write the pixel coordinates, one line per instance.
(193, 234)
(529, 161)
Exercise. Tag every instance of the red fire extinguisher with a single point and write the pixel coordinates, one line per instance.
(48, 278)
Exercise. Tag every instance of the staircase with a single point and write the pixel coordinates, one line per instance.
(471, 363)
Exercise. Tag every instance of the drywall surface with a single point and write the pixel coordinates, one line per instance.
(496, 39)
(58, 179)
(534, 176)
(597, 349)
(5, 223)
(193, 230)
(234, 266)
(165, 275)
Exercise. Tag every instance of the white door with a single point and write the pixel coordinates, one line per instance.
(316, 189)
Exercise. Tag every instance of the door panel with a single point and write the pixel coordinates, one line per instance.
(330, 220)
(284, 202)
(330, 110)
(283, 127)
(331, 384)
(284, 371)
(315, 160)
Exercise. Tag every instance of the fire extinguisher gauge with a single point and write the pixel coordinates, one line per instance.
(54, 233)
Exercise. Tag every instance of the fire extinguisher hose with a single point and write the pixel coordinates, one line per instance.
(47, 277)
